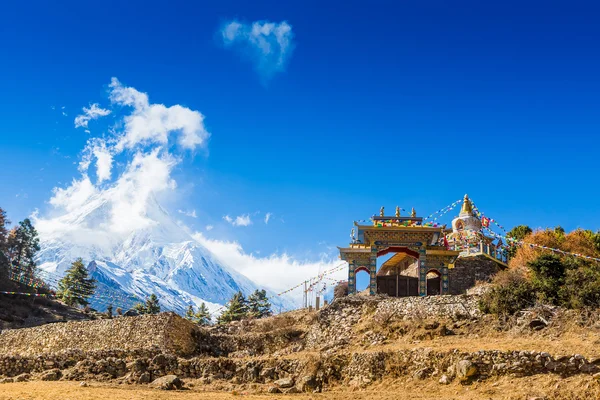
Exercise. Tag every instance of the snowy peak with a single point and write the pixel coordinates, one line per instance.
(155, 256)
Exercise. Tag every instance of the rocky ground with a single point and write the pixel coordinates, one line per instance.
(439, 347)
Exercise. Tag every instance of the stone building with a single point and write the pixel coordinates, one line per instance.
(427, 259)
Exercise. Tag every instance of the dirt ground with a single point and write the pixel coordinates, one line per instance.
(545, 387)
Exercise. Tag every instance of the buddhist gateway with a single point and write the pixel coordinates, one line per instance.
(427, 259)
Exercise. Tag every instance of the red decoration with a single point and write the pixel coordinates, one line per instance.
(485, 221)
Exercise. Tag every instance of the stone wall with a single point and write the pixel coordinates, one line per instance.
(166, 332)
(469, 270)
(335, 323)
(325, 369)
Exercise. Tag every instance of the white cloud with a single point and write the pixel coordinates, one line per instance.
(209, 227)
(153, 123)
(103, 163)
(277, 272)
(146, 171)
(267, 44)
(98, 149)
(240, 220)
(268, 217)
(188, 213)
(91, 113)
(73, 196)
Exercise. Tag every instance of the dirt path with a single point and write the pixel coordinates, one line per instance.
(548, 386)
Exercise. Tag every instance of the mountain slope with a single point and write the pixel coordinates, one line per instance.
(157, 257)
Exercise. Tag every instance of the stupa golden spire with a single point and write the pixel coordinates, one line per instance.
(467, 207)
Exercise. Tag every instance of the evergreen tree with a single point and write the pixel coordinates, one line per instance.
(236, 309)
(23, 243)
(109, 311)
(258, 304)
(76, 287)
(152, 304)
(4, 260)
(203, 316)
(190, 315)
(140, 308)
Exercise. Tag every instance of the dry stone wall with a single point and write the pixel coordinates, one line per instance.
(167, 332)
(334, 325)
(360, 369)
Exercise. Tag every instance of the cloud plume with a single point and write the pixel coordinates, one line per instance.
(267, 45)
(91, 113)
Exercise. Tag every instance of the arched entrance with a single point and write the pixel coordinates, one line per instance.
(398, 275)
(363, 279)
(434, 282)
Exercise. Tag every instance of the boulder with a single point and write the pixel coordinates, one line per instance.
(144, 378)
(273, 390)
(465, 369)
(307, 383)
(420, 374)
(22, 378)
(444, 380)
(167, 382)
(51, 375)
(284, 383)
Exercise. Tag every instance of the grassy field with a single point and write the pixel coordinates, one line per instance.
(546, 387)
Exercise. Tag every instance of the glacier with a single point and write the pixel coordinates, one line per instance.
(158, 257)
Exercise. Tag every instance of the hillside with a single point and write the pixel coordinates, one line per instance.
(372, 346)
(21, 311)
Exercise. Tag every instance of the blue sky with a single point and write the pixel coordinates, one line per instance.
(385, 103)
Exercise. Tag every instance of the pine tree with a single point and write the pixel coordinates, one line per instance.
(236, 310)
(203, 316)
(4, 260)
(258, 304)
(140, 308)
(152, 304)
(75, 287)
(190, 315)
(23, 243)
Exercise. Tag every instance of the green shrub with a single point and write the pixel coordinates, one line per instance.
(581, 288)
(548, 277)
(510, 292)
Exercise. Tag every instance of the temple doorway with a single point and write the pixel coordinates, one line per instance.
(398, 275)
(434, 283)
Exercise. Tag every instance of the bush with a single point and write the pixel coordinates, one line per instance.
(548, 277)
(510, 293)
(581, 288)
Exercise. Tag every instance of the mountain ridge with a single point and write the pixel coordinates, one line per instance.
(159, 257)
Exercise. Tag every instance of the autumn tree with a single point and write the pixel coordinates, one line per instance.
(518, 233)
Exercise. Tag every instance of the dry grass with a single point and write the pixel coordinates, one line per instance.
(545, 386)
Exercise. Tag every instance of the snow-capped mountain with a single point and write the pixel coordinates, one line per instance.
(158, 256)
